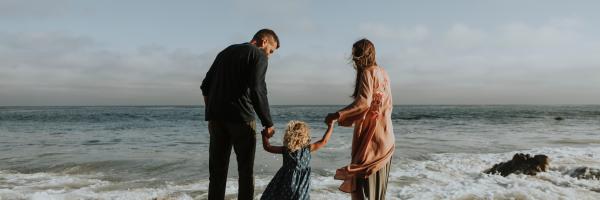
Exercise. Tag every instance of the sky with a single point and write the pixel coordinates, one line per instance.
(151, 52)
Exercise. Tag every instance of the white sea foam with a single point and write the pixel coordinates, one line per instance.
(458, 176)
(442, 176)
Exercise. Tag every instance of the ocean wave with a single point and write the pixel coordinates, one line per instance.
(44, 186)
(459, 176)
(440, 176)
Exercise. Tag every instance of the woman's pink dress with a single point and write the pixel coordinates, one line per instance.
(373, 140)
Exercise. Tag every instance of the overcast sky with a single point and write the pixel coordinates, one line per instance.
(152, 52)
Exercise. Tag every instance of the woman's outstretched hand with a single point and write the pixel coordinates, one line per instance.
(331, 117)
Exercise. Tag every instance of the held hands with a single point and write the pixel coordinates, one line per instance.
(331, 117)
(330, 125)
(268, 132)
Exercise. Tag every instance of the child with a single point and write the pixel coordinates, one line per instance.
(292, 181)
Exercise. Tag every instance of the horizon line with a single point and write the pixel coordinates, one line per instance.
(200, 105)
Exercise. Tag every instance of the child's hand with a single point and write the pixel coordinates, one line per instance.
(330, 124)
(317, 145)
(265, 135)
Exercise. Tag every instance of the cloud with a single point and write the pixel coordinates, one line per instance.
(310, 79)
(31, 9)
(553, 62)
(73, 70)
(461, 36)
(272, 8)
(57, 68)
(384, 32)
(555, 34)
(288, 17)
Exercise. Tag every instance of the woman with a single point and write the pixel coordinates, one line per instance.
(366, 176)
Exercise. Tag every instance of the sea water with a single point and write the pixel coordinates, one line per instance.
(146, 152)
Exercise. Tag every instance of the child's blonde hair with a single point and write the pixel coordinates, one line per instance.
(297, 135)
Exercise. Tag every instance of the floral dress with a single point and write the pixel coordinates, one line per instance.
(292, 181)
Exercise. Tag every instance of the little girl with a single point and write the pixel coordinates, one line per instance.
(292, 181)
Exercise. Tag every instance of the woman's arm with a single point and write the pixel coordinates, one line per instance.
(267, 146)
(362, 101)
(321, 143)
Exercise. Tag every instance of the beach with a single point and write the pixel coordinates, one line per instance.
(146, 152)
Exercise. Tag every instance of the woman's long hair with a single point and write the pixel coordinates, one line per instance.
(363, 57)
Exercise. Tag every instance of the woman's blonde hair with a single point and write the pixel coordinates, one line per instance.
(297, 135)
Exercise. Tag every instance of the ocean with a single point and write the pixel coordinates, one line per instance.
(146, 152)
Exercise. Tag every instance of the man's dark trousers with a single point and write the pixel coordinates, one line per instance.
(242, 137)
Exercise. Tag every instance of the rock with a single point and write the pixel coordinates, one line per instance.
(585, 173)
(521, 164)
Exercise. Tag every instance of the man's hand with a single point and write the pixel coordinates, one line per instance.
(268, 132)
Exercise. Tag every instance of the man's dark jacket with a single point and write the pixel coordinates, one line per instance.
(235, 86)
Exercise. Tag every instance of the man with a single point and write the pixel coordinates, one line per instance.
(233, 89)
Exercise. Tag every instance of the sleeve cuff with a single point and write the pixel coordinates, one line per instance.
(342, 121)
(267, 124)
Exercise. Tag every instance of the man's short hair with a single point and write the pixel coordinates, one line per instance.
(263, 33)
